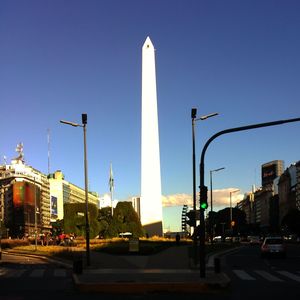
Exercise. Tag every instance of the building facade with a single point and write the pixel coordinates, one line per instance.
(25, 205)
(279, 194)
(31, 200)
(62, 191)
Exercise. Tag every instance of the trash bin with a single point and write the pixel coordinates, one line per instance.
(134, 245)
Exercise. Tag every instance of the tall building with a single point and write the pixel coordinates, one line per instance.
(31, 200)
(136, 204)
(25, 205)
(269, 171)
(62, 191)
(151, 200)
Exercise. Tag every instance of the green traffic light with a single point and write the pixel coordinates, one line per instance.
(203, 205)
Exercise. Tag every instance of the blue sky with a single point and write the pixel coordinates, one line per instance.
(59, 59)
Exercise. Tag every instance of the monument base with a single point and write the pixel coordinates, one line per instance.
(154, 229)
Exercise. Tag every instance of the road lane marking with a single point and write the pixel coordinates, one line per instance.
(267, 276)
(243, 275)
(290, 275)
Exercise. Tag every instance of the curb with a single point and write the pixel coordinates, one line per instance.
(150, 287)
(55, 261)
(212, 256)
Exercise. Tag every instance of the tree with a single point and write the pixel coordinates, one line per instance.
(125, 219)
(74, 219)
(105, 221)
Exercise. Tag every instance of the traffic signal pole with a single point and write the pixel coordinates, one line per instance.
(203, 188)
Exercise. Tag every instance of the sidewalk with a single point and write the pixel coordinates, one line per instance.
(170, 270)
(167, 271)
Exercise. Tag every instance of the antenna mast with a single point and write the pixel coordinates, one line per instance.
(48, 139)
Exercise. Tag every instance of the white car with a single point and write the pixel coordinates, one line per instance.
(273, 246)
(217, 238)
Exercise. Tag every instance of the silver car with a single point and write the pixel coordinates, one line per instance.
(273, 246)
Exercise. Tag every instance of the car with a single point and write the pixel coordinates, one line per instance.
(217, 238)
(273, 246)
(254, 240)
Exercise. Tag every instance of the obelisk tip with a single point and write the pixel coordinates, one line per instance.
(148, 43)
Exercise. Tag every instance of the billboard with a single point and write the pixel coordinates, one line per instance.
(268, 174)
(53, 207)
(26, 196)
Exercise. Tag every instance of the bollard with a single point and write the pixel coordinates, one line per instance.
(217, 265)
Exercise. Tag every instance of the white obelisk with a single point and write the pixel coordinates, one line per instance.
(151, 202)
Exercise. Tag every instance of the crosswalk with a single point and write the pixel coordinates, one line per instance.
(274, 276)
(32, 273)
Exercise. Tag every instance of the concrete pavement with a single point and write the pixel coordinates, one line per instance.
(170, 270)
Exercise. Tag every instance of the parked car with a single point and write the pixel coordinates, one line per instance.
(273, 246)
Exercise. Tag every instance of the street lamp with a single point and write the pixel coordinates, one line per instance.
(231, 208)
(87, 225)
(194, 119)
(211, 219)
(211, 189)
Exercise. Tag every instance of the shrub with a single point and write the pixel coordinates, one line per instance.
(12, 243)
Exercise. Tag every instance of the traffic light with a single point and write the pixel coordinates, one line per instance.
(203, 197)
(194, 113)
(84, 118)
(191, 218)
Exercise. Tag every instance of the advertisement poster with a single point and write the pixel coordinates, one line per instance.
(53, 207)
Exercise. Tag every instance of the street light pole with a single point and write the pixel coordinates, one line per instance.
(211, 189)
(231, 209)
(211, 219)
(194, 119)
(87, 225)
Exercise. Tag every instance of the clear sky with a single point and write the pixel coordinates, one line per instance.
(59, 59)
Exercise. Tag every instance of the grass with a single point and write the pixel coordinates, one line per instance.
(115, 246)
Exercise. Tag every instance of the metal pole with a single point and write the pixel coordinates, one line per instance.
(230, 212)
(87, 225)
(35, 219)
(230, 130)
(2, 212)
(211, 191)
(202, 226)
(194, 113)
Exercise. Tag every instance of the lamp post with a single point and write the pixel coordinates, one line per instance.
(194, 119)
(35, 217)
(231, 208)
(211, 204)
(87, 225)
(211, 189)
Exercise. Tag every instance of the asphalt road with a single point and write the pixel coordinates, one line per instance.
(23, 278)
(271, 278)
